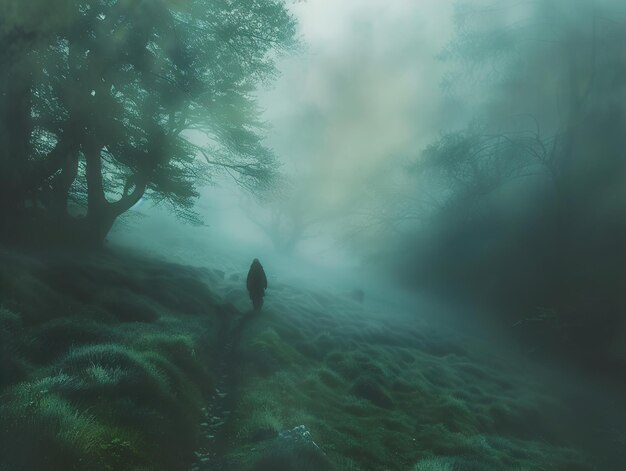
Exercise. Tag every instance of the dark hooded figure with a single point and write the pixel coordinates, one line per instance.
(256, 284)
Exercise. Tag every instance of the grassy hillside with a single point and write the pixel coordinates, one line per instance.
(383, 395)
(105, 361)
(111, 361)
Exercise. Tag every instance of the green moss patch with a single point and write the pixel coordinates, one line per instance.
(383, 396)
(103, 366)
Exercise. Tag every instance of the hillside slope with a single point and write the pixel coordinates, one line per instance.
(112, 361)
(105, 361)
(379, 393)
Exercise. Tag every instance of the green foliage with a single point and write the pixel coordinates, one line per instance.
(108, 100)
(520, 205)
(130, 399)
(86, 387)
(383, 396)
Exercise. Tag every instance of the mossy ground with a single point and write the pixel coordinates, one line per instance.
(379, 394)
(107, 359)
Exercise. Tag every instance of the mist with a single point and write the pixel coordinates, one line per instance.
(320, 235)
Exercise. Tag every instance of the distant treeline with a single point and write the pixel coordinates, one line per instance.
(522, 211)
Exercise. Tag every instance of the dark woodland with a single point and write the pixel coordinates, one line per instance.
(248, 235)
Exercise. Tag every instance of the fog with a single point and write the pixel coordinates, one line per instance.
(463, 152)
(358, 98)
(361, 69)
(435, 189)
(368, 118)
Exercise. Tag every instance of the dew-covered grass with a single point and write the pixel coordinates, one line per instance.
(105, 361)
(378, 394)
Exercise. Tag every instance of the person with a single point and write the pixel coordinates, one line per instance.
(256, 284)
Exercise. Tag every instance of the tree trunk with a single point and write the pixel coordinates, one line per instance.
(15, 132)
(99, 218)
(62, 183)
(97, 227)
(101, 214)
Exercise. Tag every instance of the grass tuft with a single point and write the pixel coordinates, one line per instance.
(97, 371)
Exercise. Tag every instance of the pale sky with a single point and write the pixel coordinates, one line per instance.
(361, 96)
(364, 90)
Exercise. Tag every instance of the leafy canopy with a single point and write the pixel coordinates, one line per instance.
(160, 94)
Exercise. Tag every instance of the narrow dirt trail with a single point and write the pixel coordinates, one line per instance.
(210, 455)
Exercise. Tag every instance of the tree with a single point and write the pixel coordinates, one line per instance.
(287, 214)
(111, 100)
(531, 201)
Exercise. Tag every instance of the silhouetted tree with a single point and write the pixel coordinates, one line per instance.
(530, 207)
(104, 101)
(295, 210)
